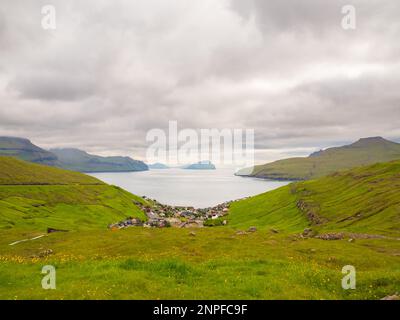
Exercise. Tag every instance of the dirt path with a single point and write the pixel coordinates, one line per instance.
(23, 240)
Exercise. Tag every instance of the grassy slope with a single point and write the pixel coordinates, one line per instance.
(275, 209)
(362, 200)
(218, 263)
(364, 152)
(18, 172)
(34, 197)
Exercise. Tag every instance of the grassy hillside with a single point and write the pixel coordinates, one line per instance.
(361, 200)
(25, 150)
(363, 152)
(272, 210)
(18, 172)
(78, 160)
(208, 263)
(34, 197)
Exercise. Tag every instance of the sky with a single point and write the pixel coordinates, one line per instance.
(111, 71)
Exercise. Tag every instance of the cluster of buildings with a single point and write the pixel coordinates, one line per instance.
(161, 216)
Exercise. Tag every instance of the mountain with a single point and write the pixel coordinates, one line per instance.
(72, 159)
(35, 197)
(25, 150)
(158, 166)
(201, 165)
(362, 200)
(78, 160)
(363, 152)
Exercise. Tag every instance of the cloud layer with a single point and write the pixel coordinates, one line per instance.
(111, 71)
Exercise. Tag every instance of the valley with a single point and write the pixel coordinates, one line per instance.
(290, 243)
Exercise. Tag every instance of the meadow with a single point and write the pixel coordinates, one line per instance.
(277, 260)
(216, 263)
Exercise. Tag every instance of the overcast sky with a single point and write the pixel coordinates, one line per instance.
(112, 70)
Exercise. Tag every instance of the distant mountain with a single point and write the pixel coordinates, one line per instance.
(201, 165)
(363, 152)
(71, 159)
(78, 160)
(25, 150)
(158, 166)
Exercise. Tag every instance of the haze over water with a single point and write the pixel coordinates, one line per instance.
(196, 188)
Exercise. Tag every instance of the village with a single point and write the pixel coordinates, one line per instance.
(162, 216)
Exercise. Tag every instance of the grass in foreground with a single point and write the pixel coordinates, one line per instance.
(217, 263)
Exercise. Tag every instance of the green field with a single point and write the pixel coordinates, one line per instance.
(274, 262)
(217, 263)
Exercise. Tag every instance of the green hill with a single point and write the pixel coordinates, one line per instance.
(25, 150)
(78, 160)
(360, 200)
(363, 152)
(34, 197)
(17, 172)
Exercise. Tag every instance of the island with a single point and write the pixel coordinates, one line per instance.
(157, 166)
(201, 165)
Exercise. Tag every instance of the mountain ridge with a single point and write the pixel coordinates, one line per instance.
(24, 149)
(67, 158)
(365, 151)
(82, 161)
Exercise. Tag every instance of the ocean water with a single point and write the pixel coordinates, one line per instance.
(196, 188)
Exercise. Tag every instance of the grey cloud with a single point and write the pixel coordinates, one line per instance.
(54, 87)
(111, 71)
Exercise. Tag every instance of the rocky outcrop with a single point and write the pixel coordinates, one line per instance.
(392, 297)
(309, 233)
(331, 236)
(311, 211)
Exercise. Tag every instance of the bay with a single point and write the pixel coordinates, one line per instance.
(196, 188)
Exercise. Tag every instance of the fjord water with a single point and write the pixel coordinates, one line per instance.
(196, 188)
